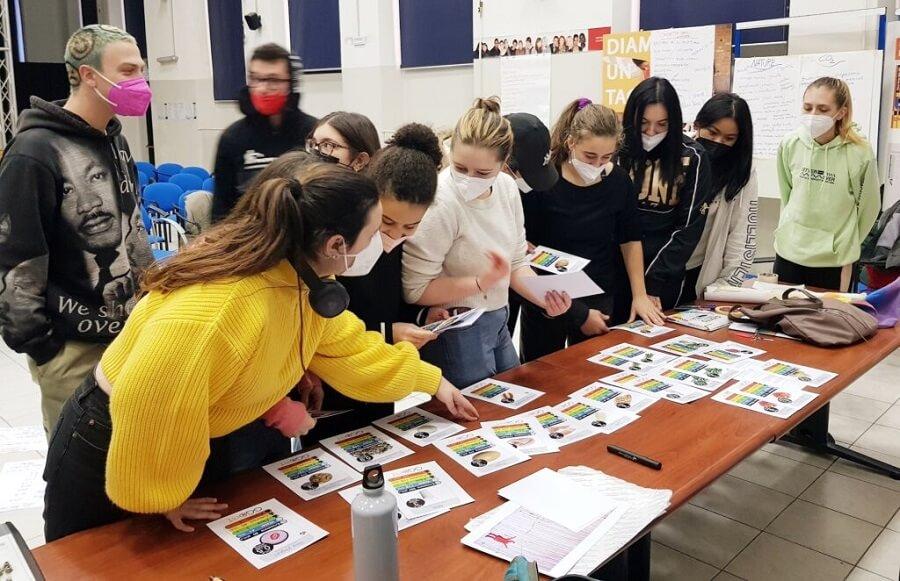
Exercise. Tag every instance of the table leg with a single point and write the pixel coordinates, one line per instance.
(813, 433)
(632, 564)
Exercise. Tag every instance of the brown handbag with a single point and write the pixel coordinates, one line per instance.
(824, 322)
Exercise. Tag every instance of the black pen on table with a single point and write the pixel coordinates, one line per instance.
(629, 455)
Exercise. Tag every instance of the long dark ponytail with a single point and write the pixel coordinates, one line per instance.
(732, 171)
(649, 92)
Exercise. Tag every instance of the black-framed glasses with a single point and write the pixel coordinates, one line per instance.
(271, 82)
(323, 147)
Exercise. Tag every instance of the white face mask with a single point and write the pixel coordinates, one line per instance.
(523, 185)
(651, 141)
(365, 260)
(590, 174)
(390, 243)
(816, 125)
(470, 187)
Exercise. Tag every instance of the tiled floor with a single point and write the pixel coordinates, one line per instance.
(787, 514)
(782, 514)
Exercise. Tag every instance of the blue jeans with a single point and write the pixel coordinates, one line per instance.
(469, 355)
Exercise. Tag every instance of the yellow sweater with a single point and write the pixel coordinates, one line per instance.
(204, 360)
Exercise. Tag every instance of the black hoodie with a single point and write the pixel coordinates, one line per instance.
(72, 242)
(247, 146)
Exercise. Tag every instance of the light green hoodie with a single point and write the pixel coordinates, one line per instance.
(829, 199)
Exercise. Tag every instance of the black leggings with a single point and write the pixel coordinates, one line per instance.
(543, 336)
(827, 277)
(75, 498)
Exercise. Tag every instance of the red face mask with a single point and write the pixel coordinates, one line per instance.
(268, 105)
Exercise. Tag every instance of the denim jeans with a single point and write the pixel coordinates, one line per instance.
(471, 354)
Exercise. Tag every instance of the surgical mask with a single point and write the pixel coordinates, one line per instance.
(365, 260)
(651, 141)
(268, 105)
(816, 125)
(590, 174)
(129, 98)
(390, 243)
(523, 185)
(471, 187)
(714, 149)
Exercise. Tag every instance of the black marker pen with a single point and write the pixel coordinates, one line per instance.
(628, 455)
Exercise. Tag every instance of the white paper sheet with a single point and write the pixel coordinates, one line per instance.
(524, 434)
(769, 85)
(765, 398)
(556, 261)
(349, 494)
(685, 345)
(418, 426)
(525, 86)
(731, 352)
(557, 497)
(626, 356)
(791, 374)
(652, 385)
(23, 439)
(699, 319)
(501, 393)
(685, 56)
(22, 485)
(561, 429)
(576, 284)
(480, 452)
(460, 321)
(607, 396)
(598, 419)
(512, 531)
(313, 473)
(366, 446)
(267, 532)
(644, 505)
(705, 375)
(639, 327)
(11, 553)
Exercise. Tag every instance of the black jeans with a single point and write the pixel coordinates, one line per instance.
(689, 291)
(75, 498)
(828, 277)
(543, 336)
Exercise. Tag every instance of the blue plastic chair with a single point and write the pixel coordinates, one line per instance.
(148, 168)
(209, 185)
(166, 171)
(143, 179)
(152, 238)
(187, 182)
(197, 171)
(162, 197)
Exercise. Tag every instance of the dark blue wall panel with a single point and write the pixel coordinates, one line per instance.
(226, 38)
(316, 33)
(435, 32)
(656, 14)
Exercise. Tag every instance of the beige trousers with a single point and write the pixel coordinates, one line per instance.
(61, 376)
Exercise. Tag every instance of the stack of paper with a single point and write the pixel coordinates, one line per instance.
(639, 327)
(685, 345)
(643, 506)
(699, 319)
(423, 491)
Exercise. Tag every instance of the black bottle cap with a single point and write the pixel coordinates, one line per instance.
(373, 477)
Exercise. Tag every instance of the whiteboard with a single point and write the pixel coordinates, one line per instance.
(774, 87)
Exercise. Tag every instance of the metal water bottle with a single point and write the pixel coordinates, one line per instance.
(374, 528)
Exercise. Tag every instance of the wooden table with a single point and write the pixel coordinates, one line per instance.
(697, 443)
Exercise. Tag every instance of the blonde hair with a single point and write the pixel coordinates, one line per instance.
(483, 126)
(844, 127)
(579, 119)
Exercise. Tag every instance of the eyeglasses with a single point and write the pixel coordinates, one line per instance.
(323, 147)
(271, 82)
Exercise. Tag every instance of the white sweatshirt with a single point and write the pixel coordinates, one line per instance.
(455, 235)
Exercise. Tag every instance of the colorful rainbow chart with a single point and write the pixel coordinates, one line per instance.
(579, 411)
(628, 352)
(361, 443)
(408, 422)
(549, 419)
(516, 430)
(741, 399)
(255, 524)
(544, 259)
(602, 394)
(758, 389)
(677, 375)
(614, 361)
(470, 446)
(415, 481)
(691, 366)
(653, 385)
(782, 369)
(302, 468)
(490, 390)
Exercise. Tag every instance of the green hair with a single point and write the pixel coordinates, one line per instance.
(86, 47)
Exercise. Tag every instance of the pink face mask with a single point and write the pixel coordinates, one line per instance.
(391, 243)
(129, 98)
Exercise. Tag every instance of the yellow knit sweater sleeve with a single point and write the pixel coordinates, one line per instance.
(362, 366)
(160, 411)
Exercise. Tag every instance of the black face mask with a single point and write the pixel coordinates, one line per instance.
(323, 157)
(715, 150)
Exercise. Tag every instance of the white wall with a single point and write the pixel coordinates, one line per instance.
(371, 81)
